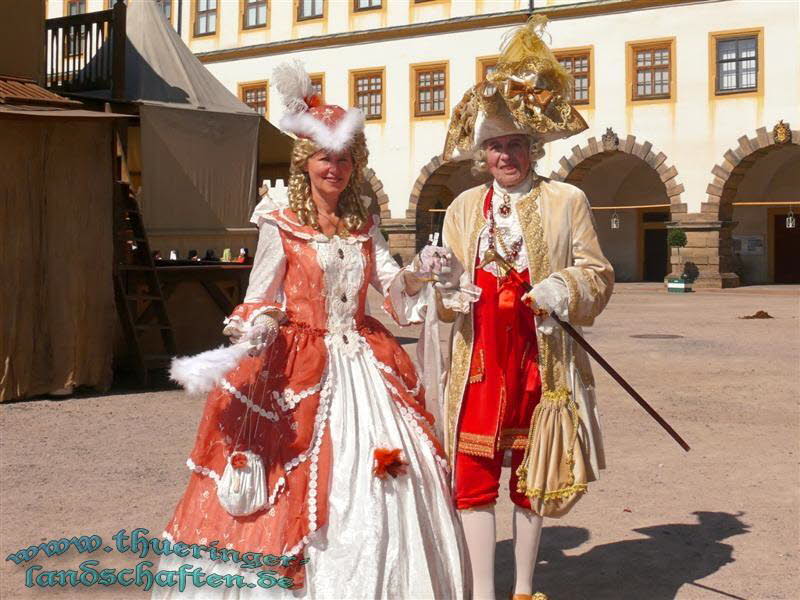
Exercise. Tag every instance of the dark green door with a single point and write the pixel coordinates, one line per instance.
(655, 254)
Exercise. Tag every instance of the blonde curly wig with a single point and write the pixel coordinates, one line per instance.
(480, 167)
(351, 209)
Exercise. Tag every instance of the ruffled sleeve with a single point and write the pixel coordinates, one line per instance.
(588, 283)
(387, 278)
(265, 289)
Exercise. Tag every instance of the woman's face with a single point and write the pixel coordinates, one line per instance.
(329, 172)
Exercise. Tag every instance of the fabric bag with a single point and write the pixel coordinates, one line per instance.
(242, 488)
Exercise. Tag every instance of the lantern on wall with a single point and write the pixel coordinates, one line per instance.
(791, 221)
(615, 220)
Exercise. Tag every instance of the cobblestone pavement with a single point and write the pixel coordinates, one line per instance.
(718, 522)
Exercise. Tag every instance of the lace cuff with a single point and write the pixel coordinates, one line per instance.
(245, 316)
(404, 309)
(459, 300)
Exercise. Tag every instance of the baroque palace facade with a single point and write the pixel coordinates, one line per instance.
(690, 106)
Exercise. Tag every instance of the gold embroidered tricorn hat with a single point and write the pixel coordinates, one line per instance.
(528, 93)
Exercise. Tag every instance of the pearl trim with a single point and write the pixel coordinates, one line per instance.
(267, 414)
(202, 470)
(288, 400)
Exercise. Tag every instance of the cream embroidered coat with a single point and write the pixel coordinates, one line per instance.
(565, 449)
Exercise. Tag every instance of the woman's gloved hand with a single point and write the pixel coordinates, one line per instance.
(262, 334)
(257, 335)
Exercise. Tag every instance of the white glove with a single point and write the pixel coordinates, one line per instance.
(544, 297)
(441, 263)
(450, 270)
(428, 260)
(234, 328)
(261, 335)
(547, 297)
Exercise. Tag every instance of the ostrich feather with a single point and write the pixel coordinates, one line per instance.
(524, 44)
(294, 84)
(199, 374)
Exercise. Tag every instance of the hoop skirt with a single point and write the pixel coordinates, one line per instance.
(315, 406)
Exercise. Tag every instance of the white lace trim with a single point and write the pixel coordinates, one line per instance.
(257, 313)
(411, 416)
(343, 266)
(389, 371)
(320, 422)
(202, 470)
(267, 414)
(508, 227)
(413, 419)
(288, 400)
(286, 223)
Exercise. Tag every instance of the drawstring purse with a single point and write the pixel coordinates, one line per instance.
(242, 489)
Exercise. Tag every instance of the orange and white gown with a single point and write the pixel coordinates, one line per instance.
(334, 387)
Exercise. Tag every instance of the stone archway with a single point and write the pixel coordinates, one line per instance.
(373, 187)
(584, 158)
(637, 180)
(438, 183)
(729, 181)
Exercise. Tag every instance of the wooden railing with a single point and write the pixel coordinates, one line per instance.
(86, 52)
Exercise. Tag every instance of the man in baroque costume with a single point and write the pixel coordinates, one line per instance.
(518, 385)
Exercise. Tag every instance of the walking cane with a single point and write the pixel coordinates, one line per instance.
(492, 256)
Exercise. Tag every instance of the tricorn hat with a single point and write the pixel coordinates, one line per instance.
(329, 126)
(528, 93)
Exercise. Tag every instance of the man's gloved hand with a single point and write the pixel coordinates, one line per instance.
(544, 299)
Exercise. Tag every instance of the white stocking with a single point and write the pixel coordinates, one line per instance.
(527, 531)
(479, 532)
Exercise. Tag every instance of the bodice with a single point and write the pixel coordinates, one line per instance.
(326, 281)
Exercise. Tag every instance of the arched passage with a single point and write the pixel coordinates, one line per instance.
(753, 188)
(634, 186)
(373, 187)
(439, 182)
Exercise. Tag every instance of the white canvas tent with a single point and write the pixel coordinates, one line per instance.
(199, 143)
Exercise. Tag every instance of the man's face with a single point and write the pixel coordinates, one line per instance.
(509, 159)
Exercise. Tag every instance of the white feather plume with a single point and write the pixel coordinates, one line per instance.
(335, 138)
(201, 373)
(294, 84)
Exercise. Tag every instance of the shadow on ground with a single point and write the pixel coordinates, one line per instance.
(654, 567)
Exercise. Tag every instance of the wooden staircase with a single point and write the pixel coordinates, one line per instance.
(139, 298)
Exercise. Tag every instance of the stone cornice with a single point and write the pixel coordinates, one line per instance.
(350, 38)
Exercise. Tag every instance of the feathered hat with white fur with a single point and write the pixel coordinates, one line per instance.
(329, 126)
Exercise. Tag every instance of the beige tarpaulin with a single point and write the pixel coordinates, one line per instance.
(56, 289)
(198, 168)
(199, 141)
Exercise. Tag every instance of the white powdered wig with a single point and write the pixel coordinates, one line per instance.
(199, 374)
(294, 84)
(335, 138)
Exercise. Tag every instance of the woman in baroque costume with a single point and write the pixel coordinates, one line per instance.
(317, 444)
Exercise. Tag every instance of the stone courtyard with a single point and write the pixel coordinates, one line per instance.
(718, 522)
